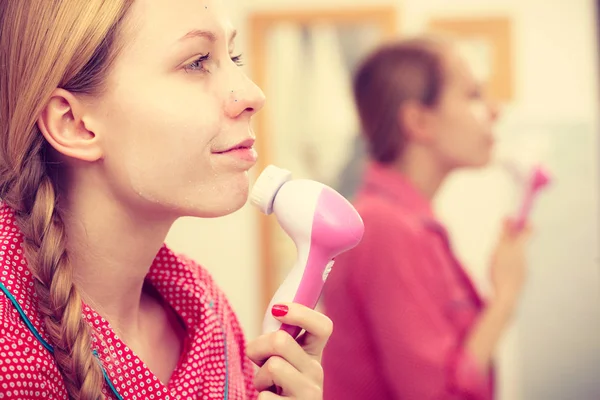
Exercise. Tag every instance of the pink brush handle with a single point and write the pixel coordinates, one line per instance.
(538, 180)
(309, 291)
(525, 210)
(336, 228)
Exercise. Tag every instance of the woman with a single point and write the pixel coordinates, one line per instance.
(409, 323)
(116, 118)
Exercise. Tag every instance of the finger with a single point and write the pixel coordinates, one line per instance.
(527, 230)
(280, 344)
(276, 368)
(522, 234)
(278, 372)
(509, 223)
(318, 327)
(509, 228)
(512, 230)
(269, 396)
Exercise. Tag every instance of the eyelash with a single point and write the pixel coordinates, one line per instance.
(196, 65)
(475, 94)
(238, 60)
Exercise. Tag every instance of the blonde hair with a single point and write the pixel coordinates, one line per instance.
(44, 45)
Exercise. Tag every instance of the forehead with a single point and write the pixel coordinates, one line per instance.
(160, 23)
(473, 61)
(457, 67)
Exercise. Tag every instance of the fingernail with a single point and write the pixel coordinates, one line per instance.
(279, 310)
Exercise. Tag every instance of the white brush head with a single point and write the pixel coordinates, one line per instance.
(525, 155)
(266, 187)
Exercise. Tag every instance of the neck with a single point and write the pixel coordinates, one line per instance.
(112, 249)
(423, 170)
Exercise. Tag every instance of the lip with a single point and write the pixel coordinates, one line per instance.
(242, 155)
(243, 145)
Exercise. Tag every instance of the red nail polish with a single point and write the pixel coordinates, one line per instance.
(279, 310)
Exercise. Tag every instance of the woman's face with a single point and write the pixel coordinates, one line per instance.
(175, 118)
(464, 118)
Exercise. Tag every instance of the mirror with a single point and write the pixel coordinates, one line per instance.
(303, 60)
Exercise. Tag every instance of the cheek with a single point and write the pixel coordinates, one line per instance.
(479, 112)
(160, 144)
(463, 132)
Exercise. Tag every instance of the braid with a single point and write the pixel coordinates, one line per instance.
(74, 43)
(59, 301)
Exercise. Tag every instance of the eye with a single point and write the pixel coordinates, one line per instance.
(476, 93)
(238, 60)
(197, 64)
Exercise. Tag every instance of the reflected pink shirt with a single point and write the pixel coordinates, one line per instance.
(402, 305)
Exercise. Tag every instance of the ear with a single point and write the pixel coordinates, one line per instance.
(415, 120)
(61, 122)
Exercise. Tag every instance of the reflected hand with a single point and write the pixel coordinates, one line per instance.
(509, 262)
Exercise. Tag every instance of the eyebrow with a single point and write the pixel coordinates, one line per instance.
(203, 34)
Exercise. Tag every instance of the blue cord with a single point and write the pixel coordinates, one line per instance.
(25, 319)
(211, 305)
(46, 344)
(106, 378)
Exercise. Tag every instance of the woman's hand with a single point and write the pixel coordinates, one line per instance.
(509, 263)
(508, 276)
(294, 366)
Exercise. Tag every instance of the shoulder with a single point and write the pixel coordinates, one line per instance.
(387, 224)
(394, 242)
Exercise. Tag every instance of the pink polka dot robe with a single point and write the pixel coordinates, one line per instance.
(212, 366)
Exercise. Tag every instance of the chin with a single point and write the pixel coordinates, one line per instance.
(208, 198)
(481, 163)
(224, 203)
(471, 164)
(482, 160)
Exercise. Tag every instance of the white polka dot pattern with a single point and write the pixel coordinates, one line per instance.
(213, 365)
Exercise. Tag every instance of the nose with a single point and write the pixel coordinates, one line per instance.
(494, 109)
(245, 98)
